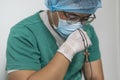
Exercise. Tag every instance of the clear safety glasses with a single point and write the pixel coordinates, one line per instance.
(73, 18)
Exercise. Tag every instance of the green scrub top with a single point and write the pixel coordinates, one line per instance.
(31, 46)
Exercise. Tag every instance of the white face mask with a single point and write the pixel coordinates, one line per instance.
(65, 29)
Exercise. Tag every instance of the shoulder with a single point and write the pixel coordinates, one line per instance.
(88, 27)
(27, 23)
(21, 30)
(90, 30)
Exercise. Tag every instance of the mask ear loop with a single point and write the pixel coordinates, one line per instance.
(58, 15)
(86, 50)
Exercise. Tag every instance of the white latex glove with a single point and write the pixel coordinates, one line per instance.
(73, 44)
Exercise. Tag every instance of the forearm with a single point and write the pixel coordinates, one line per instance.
(87, 71)
(93, 70)
(55, 70)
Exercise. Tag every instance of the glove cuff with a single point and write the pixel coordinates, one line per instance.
(67, 51)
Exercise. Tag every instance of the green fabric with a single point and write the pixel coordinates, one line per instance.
(31, 46)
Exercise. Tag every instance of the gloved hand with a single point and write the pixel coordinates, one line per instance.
(73, 44)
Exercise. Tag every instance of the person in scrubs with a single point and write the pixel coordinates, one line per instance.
(56, 44)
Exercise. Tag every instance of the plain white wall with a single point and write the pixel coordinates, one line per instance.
(118, 34)
(106, 26)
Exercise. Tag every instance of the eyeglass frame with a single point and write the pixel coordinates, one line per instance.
(83, 20)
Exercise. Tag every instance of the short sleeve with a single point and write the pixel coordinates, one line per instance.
(94, 49)
(21, 52)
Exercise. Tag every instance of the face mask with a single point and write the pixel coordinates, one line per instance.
(65, 29)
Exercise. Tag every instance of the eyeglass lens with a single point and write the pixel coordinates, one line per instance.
(73, 18)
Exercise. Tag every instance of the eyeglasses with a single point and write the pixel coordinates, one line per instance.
(74, 18)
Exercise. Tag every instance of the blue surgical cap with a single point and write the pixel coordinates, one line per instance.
(79, 6)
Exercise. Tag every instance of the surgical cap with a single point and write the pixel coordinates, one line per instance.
(79, 6)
